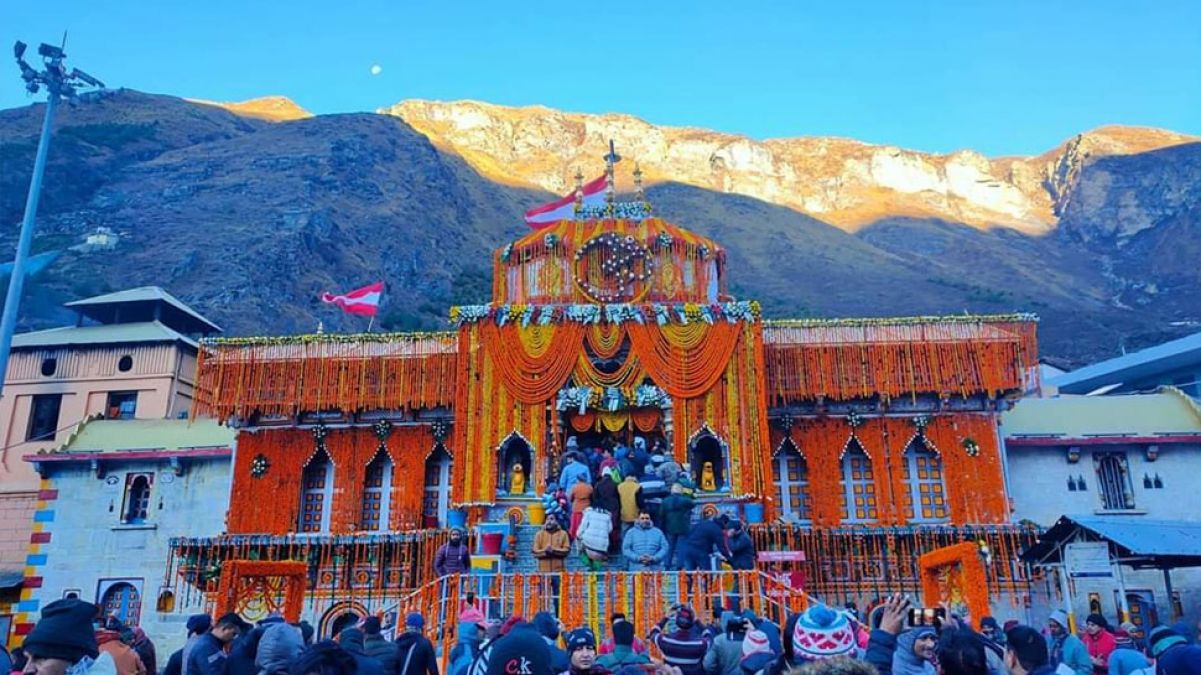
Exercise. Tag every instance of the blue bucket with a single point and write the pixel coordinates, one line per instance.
(753, 512)
(458, 518)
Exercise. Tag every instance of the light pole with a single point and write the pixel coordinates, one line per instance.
(59, 83)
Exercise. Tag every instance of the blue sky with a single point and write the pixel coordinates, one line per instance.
(1004, 77)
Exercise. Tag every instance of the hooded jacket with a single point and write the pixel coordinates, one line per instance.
(127, 660)
(704, 537)
(415, 654)
(379, 648)
(742, 551)
(465, 650)
(281, 642)
(452, 558)
(725, 654)
(548, 628)
(351, 640)
(904, 661)
(1071, 652)
(570, 474)
(622, 655)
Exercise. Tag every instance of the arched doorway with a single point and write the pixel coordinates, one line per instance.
(341, 616)
(514, 451)
(707, 449)
(122, 602)
(437, 488)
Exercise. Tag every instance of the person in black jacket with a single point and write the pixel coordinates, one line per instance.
(351, 639)
(742, 549)
(702, 539)
(208, 656)
(377, 646)
(415, 653)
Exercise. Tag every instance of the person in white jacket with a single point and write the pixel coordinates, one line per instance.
(593, 536)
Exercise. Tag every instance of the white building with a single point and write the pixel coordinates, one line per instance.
(1105, 463)
(117, 492)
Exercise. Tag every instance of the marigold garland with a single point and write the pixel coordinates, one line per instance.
(351, 449)
(958, 566)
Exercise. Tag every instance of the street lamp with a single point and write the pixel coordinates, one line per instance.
(59, 83)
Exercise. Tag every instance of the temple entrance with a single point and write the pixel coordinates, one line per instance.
(706, 459)
(515, 452)
(437, 488)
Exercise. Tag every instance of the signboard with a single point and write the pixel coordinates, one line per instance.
(781, 556)
(1088, 560)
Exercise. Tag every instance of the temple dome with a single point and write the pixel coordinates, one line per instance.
(610, 261)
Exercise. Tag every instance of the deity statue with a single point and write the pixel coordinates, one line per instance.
(708, 477)
(517, 481)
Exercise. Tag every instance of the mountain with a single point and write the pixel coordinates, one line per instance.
(844, 182)
(249, 217)
(269, 108)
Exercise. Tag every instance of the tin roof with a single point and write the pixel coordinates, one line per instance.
(1171, 355)
(142, 301)
(104, 334)
(1132, 539)
(1138, 415)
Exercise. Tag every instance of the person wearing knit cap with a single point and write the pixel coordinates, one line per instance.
(1126, 659)
(681, 647)
(520, 652)
(623, 653)
(197, 625)
(757, 652)
(324, 658)
(414, 652)
(63, 638)
(990, 629)
(1065, 648)
(379, 647)
(1172, 652)
(606, 645)
(821, 633)
(581, 650)
(1099, 642)
(470, 638)
(1026, 652)
(351, 639)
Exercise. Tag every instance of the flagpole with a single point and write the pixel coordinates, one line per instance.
(370, 324)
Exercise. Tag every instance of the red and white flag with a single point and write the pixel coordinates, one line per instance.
(563, 209)
(362, 301)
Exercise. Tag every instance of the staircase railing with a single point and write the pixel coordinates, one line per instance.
(588, 599)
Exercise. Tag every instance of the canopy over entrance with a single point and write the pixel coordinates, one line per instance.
(1139, 543)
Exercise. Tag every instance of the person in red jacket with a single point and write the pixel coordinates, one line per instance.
(1099, 641)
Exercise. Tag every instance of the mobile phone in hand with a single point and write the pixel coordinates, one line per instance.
(932, 617)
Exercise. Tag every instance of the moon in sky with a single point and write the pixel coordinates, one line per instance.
(377, 69)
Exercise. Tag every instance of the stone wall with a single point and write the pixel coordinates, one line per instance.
(86, 548)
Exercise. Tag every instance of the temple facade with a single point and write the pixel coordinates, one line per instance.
(853, 446)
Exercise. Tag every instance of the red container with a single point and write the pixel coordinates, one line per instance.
(491, 542)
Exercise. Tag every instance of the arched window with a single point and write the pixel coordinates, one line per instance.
(1113, 481)
(708, 449)
(437, 488)
(792, 482)
(859, 484)
(515, 451)
(317, 492)
(137, 498)
(376, 491)
(926, 500)
(123, 602)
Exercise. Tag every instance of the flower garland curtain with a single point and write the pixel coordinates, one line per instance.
(533, 362)
(942, 356)
(284, 376)
(491, 412)
(975, 485)
(821, 441)
(685, 360)
(735, 410)
(288, 451)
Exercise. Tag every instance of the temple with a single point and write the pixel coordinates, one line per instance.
(852, 446)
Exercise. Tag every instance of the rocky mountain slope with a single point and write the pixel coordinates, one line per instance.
(250, 220)
(842, 181)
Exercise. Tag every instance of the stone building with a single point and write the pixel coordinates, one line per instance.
(1111, 462)
(130, 355)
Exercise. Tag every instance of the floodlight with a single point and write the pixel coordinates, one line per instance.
(19, 49)
(51, 52)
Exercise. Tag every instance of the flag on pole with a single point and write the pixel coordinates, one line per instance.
(563, 209)
(362, 301)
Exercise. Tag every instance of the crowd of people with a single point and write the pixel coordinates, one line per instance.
(68, 640)
(637, 504)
